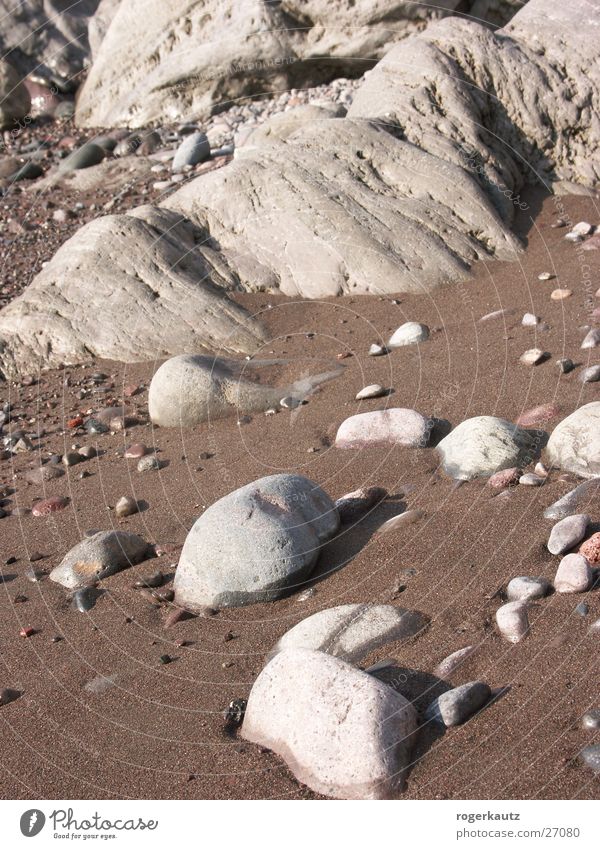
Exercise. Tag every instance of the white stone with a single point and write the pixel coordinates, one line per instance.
(409, 333)
(567, 533)
(395, 426)
(512, 621)
(525, 588)
(574, 574)
(483, 445)
(374, 390)
(574, 445)
(530, 320)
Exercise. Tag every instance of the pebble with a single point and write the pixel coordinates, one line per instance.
(582, 609)
(49, 505)
(512, 621)
(592, 340)
(446, 667)
(43, 474)
(591, 549)
(545, 275)
(372, 391)
(194, 149)
(590, 375)
(567, 533)
(590, 721)
(148, 463)
(582, 228)
(355, 504)
(409, 517)
(573, 500)
(88, 452)
(574, 575)
(135, 451)
(7, 695)
(560, 294)
(409, 333)
(96, 426)
(457, 705)
(505, 478)
(533, 357)
(394, 426)
(291, 403)
(591, 757)
(152, 581)
(565, 365)
(525, 588)
(71, 458)
(538, 415)
(530, 479)
(377, 350)
(530, 320)
(85, 156)
(126, 506)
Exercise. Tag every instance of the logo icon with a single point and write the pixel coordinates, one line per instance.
(32, 822)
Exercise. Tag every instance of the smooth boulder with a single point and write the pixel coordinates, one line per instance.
(483, 445)
(98, 557)
(341, 731)
(396, 426)
(256, 544)
(574, 444)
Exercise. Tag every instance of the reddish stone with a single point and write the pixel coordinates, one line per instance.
(591, 549)
(76, 422)
(49, 505)
(27, 632)
(135, 451)
(507, 477)
(539, 415)
(131, 390)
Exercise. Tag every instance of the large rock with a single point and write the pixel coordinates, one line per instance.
(574, 444)
(483, 445)
(395, 426)
(191, 58)
(352, 631)
(255, 544)
(99, 556)
(15, 101)
(342, 732)
(127, 287)
(48, 37)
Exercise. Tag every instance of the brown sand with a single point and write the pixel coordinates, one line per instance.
(157, 732)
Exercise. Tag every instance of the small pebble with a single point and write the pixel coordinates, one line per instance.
(590, 375)
(582, 609)
(525, 588)
(126, 506)
(574, 575)
(533, 357)
(372, 391)
(71, 458)
(512, 621)
(591, 757)
(545, 275)
(530, 479)
(567, 533)
(409, 517)
(456, 706)
(565, 365)
(590, 721)
(560, 294)
(49, 505)
(148, 463)
(504, 478)
(530, 320)
(8, 695)
(377, 350)
(592, 340)
(135, 451)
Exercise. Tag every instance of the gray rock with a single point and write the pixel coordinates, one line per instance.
(525, 588)
(591, 757)
(574, 574)
(126, 506)
(341, 731)
(574, 444)
(355, 504)
(352, 631)
(44, 473)
(567, 533)
(449, 664)
(395, 426)
(15, 101)
(590, 374)
(148, 463)
(456, 706)
(590, 721)
(409, 333)
(574, 501)
(192, 150)
(592, 339)
(98, 556)
(84, 157)
(532, 480)
(374, 390)
(565, 365)
(483, 445)
(255, 544)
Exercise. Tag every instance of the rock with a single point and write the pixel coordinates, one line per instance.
(15, 101)
(512, 621)
(456, 706)
(280, 126)
(538, 415)
(372, 391)
(352, 631)
(582, 228)
(591, 757)
(574, 445)
(591, 549)
(126, 506)
(574, 501)
(592, 339)
(135, 451)
(525, 588)
(49, 505)
(42, 474)
(565, 365)
(377, 350)
(560, 294)
(72, 458)
(189, 389)
(573, 575)
(148, 463)
(449, 664)
(255, 544)
(483, 445)
(408, 517)
(409, 333)
(192, 150)
(531, 480)
(530, 320)
(355, 504)
(341, 731)
(395, 426)
(98, 556)
(590, 721)
(546, 275)
(567, 533)
(533, 357)
(84, 157)
(505, 478)
(590, 375)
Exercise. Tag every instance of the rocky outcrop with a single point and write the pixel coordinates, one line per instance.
(192, 58)
(48, 37)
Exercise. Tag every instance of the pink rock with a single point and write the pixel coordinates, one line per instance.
(538, 415)
(591, 549)
(135, 451)
(49, 505)
(507, 477)
(396, 426)
(592, 244)
(574, 574)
